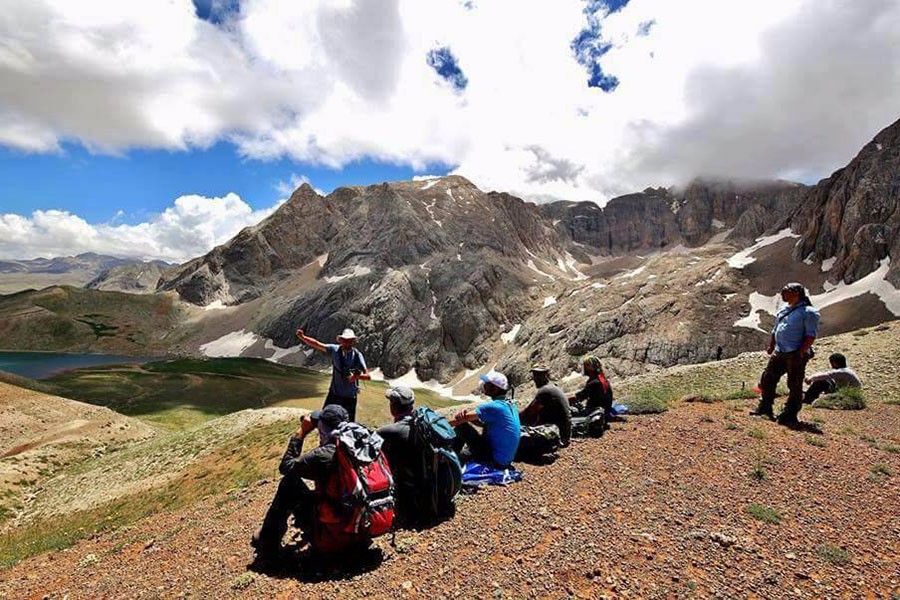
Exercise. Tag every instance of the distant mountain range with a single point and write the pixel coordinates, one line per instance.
(79, 270)
(441, 279)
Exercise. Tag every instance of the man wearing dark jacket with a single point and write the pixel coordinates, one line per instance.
(400, 451)
(293, 495)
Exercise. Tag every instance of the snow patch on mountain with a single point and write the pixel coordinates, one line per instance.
(758, 303)
(874, 283)
(357, 271)
(743, 258)
(511, 334)
(411, 380)
(230, 344)
(217, 305)
(633, 273)
(279, 353)
(530, 264)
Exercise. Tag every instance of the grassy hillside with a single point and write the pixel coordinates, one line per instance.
(73, 319)
(702, 500)
(168, 472)
(186, 392)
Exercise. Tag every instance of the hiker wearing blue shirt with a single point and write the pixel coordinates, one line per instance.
(348, 368)
(789, 349)
(499, 418)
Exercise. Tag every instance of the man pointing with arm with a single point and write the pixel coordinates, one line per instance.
(348, 367)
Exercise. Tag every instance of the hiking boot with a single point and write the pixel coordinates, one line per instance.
(788, 420)
(759, 412)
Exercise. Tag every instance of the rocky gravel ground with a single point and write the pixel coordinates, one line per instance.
(700, 501)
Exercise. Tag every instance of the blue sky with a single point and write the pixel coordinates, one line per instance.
(141, 183)
(160, 129)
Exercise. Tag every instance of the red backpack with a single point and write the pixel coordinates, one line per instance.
(356, 502)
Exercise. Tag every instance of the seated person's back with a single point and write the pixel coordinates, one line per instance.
(550, 406)
(400, 450)
(293, 496)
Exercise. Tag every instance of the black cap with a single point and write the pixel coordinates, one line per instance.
(794, 287)
(332, 415)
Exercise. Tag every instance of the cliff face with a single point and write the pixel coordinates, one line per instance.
(658, 218)
(854, 215)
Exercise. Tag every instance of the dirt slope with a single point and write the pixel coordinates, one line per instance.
(659, 507)
(41, 434)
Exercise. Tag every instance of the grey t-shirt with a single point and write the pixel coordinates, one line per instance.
(551, 407)
(845, 377)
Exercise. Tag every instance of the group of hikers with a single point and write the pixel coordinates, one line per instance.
(409, 472)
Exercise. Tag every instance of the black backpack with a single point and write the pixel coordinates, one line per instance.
(440, 472)
(591, 424)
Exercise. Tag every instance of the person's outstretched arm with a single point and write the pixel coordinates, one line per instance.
(311, 342)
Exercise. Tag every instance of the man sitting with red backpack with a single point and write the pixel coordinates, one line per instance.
(353, 497)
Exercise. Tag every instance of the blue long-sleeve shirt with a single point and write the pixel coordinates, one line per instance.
(793, 325)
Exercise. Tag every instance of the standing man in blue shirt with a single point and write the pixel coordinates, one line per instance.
(789, 349)
(498, 441)
(348, 368)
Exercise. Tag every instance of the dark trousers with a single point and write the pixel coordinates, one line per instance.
(817, 388)
(292, 497)
(348, 402)
(477, 446)
(781, 363)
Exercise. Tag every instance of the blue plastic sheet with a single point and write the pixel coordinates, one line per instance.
(619, 409)
(476, 475)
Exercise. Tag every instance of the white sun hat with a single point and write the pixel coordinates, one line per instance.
(347, 335)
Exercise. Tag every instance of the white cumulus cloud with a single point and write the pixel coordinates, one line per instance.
(190, 227)
(750, 88)
(286, 187)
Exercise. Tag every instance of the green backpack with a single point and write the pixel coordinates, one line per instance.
(439, 472)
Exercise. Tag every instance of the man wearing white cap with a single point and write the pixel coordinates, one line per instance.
(498, 442)
(348, 367)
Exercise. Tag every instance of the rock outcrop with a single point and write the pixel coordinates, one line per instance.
(140, 278)
(854, 215)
